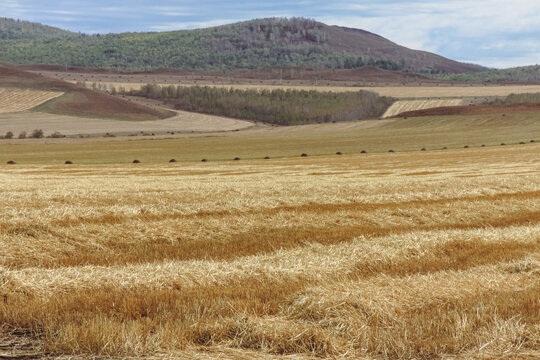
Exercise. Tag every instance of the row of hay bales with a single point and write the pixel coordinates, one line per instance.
(136, 161)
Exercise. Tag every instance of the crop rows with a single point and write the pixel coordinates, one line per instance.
(411, 105)
(15, 100)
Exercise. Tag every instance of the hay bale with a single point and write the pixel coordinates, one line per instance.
(391, 151)
(532, 141)
(172, 161)
(236, 158)
(363, 152)
(466, 147)
(68, 162)
(445, 148)
(11, 162)
(136, 161)
(304, 155)
(502, 144)
(339, 153)
(423, 149)
(266, 157)
(483, 145)
(204, 160)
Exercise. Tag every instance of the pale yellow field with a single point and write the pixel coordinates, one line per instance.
(15, 100)
(394, 91)
(408, 255)
(183, 121)
(411, 105)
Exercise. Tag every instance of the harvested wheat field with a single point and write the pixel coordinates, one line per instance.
(14, 100)
(403, 106)
(183, 121)
(406, 255)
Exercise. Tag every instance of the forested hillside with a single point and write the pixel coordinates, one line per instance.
(261, 43)
(512, 75)
(11, 29)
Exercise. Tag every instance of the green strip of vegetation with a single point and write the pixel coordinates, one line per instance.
(280, 107)
(519, 99)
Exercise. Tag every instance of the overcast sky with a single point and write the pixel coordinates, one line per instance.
(495, 33)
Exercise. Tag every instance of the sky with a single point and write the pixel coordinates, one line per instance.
(493, 33)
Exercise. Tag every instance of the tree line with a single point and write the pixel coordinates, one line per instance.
(279, 106)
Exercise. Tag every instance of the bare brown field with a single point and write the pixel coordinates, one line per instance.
(406, 255)
(14, 100)
(403, 106)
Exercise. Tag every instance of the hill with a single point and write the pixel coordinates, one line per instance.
(275, 42)
(517, 75)
(11, 29)
(77, 101)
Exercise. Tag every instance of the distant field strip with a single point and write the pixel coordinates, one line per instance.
(403, 106)
(15, 100)
(394, 91)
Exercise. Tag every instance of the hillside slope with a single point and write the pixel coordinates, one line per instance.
(275, 42)
(77, 101)
(516, 75)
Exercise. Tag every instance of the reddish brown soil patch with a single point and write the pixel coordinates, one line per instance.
(78, 101)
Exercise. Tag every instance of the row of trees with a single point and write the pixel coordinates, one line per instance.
(283, 107)
(36, 134)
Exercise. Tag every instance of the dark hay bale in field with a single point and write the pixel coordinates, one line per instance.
(136, 161)
(483, 145)
(503, 115)
(445, 148)
(532, 141)
(339, 153)
(68, 162)
(391, 151)
(466, 147)
(172, 161)
(423, 149)
(11, 162)
(266, 157)
(236, 158)
(204, 160)
(363, 152)
(502, 144)
(303, 155)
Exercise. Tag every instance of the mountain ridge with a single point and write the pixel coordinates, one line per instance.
(260, 43)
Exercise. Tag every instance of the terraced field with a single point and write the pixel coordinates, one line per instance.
(411, 105)
(406, 255)
(15, 100)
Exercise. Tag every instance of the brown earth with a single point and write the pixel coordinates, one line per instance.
(475, 110)
(348, 77)
(77, 101)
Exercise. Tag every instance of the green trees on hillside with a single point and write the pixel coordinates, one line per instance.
(254, 44)
(283, 107)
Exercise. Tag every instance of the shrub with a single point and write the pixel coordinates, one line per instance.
(56, 135)
(37, 134)
(22, 135)
(9, 135)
